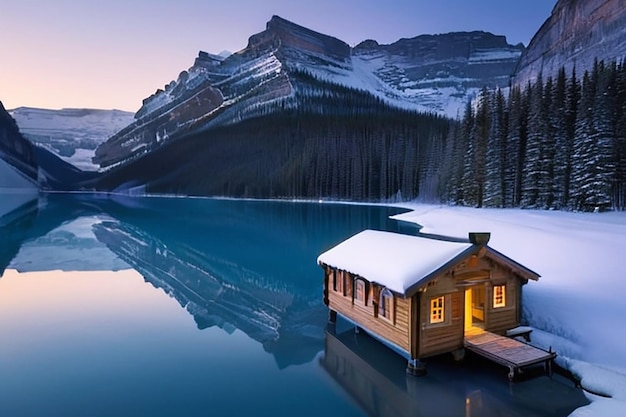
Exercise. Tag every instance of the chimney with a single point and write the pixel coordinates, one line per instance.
(479, 238)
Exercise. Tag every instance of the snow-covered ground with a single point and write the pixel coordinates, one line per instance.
(578, 306)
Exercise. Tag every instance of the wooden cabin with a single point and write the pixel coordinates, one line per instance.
(422, 296)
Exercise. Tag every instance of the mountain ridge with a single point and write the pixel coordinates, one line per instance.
(419, 74)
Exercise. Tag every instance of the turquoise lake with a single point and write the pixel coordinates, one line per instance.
(207, 307)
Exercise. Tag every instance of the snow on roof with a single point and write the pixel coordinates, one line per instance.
(391, 259)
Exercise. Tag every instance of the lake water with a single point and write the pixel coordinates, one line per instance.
(200, 307)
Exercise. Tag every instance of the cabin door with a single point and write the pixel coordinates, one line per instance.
(475, 307)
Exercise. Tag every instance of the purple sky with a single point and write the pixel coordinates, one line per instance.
(114, 53)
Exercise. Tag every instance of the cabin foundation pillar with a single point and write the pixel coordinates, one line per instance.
(332, 316)
(416, 367)
(458, 355)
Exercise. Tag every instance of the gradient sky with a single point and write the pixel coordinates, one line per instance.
(114, 53)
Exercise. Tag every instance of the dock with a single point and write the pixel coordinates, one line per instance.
(507, 351)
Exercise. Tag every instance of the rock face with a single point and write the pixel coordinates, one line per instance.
(283, 33)
(17, 152)
(576, 33)
(428, 73)
(440, 72)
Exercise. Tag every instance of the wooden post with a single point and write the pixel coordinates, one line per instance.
(415, 367)
(332, 316)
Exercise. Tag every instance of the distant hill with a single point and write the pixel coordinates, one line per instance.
(71, 134)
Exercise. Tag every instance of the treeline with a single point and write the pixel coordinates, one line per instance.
(558, 143)
(327, 141)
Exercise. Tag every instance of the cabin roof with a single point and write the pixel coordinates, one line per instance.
(403, 263)
(393, 260)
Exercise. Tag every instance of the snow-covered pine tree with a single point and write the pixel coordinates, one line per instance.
(474, 170)
(603, 140)
(619, 191)
(515, 145)
(532, 168)
(571, 115)
(582, 170)
(496, 149)
(562, 150)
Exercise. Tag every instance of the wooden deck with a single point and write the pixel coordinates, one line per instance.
(507, 351)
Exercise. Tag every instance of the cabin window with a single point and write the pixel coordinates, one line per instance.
(337, 281)
(437, 310)
(499, 296)
(385, 305)
(360, 294)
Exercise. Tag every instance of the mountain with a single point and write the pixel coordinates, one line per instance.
(439, 72)
(71, 134)
(18, 166)
(287, 65)
(17, 154)
(576, 33)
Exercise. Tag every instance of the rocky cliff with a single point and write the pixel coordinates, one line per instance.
(440, 72)
(15, 150)
(576, 33)
(437, 73)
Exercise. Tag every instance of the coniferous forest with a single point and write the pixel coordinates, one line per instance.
(559, 143)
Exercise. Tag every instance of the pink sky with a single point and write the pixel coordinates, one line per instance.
(113, 54)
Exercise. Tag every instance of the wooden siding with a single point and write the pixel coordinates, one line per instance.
(441, 337)
(396, 331)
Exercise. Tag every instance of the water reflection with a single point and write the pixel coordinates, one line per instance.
(247, 265)
(376, 378)
(246, 272)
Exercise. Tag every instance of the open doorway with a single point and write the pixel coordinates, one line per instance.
(475, 307)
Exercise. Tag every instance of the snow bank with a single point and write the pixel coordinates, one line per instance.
(578, 305)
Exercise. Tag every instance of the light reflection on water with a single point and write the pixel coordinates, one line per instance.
(168, 307)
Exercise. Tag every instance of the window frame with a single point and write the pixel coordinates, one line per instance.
(357, 283)
(386, 310)
(437, 310)
(499, 296)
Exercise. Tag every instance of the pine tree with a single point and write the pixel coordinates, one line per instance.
(532, 170)
(582, 171)
(496, 149)
(603, 141)
(571, 115)
(562, 153)
(515, 145)
(475, 157)
(619, 192)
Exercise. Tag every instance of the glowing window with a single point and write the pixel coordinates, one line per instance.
(436, 310)
(499, 296)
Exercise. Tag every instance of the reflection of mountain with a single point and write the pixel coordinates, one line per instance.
(54, 233)
(247, 265)
(244, 265)
(376, 378)
(220, 292)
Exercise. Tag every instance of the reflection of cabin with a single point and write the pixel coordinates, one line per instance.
(421, 296)
(374, 377)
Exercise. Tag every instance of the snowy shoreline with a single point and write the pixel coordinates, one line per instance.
(575, 308)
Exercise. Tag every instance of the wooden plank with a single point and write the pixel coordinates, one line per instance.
(397, 333)
(505, 351)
